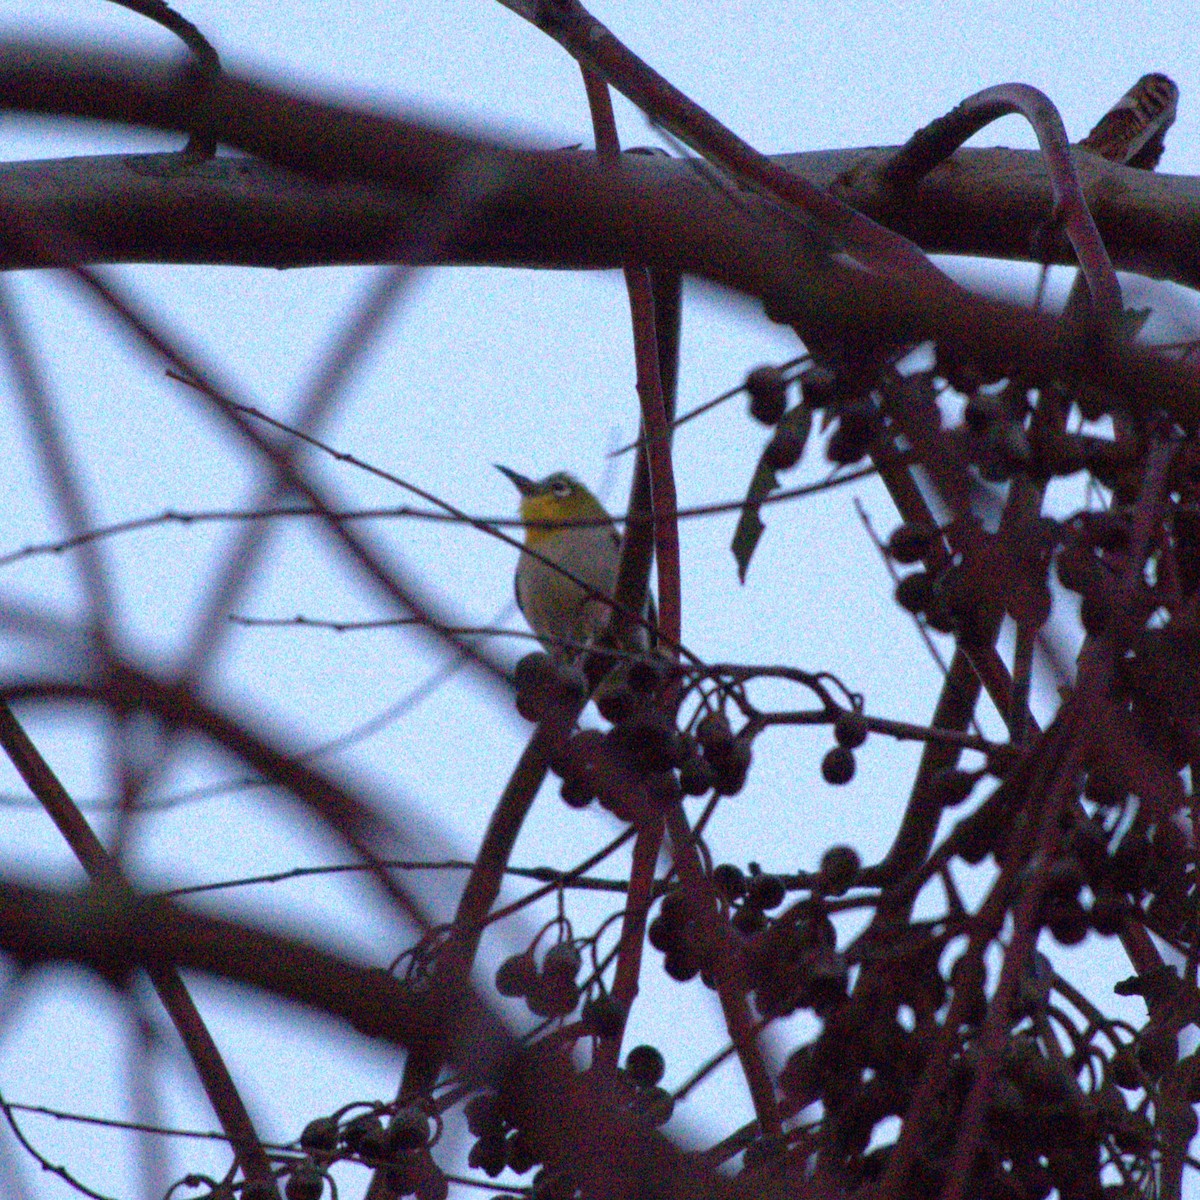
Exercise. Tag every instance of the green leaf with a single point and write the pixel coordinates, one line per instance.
(750, 526)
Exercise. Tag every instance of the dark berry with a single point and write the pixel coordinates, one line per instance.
(581, 754)
(714, 734)
(649, 741)
(516, 975)
(552, 996)
(819, 387)
(663, 788)
(732, 767)
(373, 1144)
(534, 679)
(488, 1155)
(1158, 1048)
(408, 1130)
(768, 394)
(951, 786)
(1108, 914)
(644, 1065)
(305, 1182)
(656, 1105)
(675, 907)
(617, 703)
(977, 836)
(1124, 1070)
(603, 1016)
(730, 881)
(570, 683)
(580, 762)
(765, 892)
(680, 964)
(645, 675)
(1075, 567)
(520, 1157)
(431, 1183)
(850, 730)
(840, 866)
(749, 921)
(697, 776)
(362, 1129)
(563, 961)
(852, 438)
(404, 1172)
(576, 794)
(547, 1186)
(1064, 877)
(531, 705)
(534, 668)
(837, 767)
(982, 411)
(482, 1116)
(915, 592)
(662, 934)
(321, 1134)
(1105, 528)
(1066, 920)
(963, 374)
(909, 543)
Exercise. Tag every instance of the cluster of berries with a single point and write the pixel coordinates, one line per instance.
(644, 1068)
(948, 599)
(767, 388)
(750, 897)
(550, 990)
(677, 931)
(400, 1150)
(1096, 881)
(791, 959)
(544, 685)
(846, 397)
(849, 732)
(794, 963)
(643, 759)
(994, 435)
(498, 1144)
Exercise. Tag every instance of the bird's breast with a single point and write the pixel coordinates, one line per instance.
(556, 605)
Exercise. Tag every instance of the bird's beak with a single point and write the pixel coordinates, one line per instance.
(523, 485)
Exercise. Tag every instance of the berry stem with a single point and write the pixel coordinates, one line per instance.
(939, 139)
(729, 974)
(656, 422)
(633, 933)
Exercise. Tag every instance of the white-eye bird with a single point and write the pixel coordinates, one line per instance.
(566, 617)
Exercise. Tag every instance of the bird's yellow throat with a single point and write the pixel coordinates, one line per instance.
(536, 511)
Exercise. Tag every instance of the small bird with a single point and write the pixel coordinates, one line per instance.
(566, 617)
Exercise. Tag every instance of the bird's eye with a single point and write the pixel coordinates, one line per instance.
(561, 488)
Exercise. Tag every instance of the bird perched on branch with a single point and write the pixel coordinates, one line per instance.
(582, 550)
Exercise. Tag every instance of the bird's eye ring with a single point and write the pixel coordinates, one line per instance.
(561, 489)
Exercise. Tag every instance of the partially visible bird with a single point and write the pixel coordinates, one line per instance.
(566, 617)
